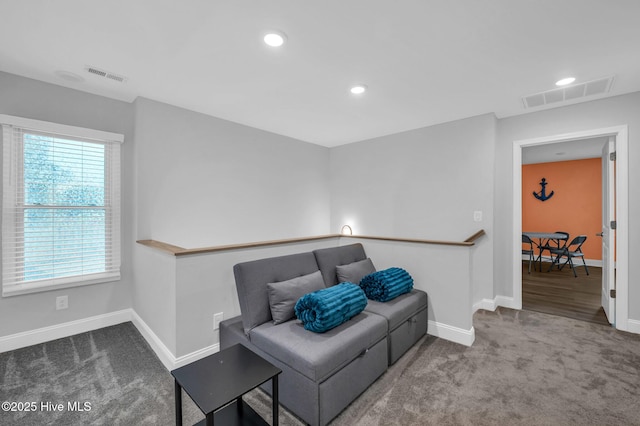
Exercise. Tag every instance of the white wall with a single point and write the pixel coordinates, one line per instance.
(154, 293)
(602, 113)
(425, 183)
(24, 97)
(203, 181)
(443, 271)
(205, 285)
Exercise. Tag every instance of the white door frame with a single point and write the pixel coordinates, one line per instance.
(622, 213)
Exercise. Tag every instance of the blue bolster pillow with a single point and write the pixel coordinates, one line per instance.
(387, 284)
(325, 309)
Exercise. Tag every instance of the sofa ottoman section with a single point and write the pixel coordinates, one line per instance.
(341, 389)
(320, 355)
(329, 258)
(407, 319)
(322, 373)
(346, 362)
(297, 393)
(252, 279)
(406, 315)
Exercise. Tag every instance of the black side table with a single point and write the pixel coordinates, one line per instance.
(216, 384)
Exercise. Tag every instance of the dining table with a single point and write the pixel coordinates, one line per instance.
(542, 238)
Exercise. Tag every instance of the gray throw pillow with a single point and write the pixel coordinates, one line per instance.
(283, 295)
(354, 272)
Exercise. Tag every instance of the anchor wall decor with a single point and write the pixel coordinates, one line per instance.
(542, 196)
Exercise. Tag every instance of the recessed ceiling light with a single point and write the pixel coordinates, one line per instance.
(358, 89)
(565, 81)
(275, 38)
(69, 76)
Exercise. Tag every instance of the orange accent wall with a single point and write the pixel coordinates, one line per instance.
(576, 205)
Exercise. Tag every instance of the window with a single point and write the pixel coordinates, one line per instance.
(60, 206)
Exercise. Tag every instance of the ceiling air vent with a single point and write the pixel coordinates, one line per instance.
(569, 93)
(105, 74)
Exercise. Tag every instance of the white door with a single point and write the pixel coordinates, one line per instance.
(608, 233)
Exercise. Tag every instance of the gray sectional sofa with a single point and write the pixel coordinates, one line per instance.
(322, 373)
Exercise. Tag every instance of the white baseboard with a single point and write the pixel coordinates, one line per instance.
(162, 352)
(196, 355)
(168, 359)
(486, 304)
(453, 334)
(58, 331)
(506, 302)
(633, 326)
(589, 262)
(171, 362)
(491, 305)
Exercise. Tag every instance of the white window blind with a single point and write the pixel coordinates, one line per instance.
(61, 206)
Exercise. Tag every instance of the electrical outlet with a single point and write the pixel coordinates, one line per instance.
(62, 302)
(477, 216)
(217, 318)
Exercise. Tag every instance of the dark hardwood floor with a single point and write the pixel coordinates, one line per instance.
(560, 293)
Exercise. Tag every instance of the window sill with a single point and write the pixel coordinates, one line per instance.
(39, 287)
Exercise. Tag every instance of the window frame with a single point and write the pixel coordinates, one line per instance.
(15, 152)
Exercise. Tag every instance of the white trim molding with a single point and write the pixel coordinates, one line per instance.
(162, 352)
(168, 359)
(621, 134)
(486, 304)
(62, 129)
(634, 326)
(506, 302)
(71, 328)
(590, 262)
(492, 305)
(58, 331)
(196, 355)
(453, 334)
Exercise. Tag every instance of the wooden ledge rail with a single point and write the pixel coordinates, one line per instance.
(158, 245)
(475, 236)
(466, 243)
(180, 251)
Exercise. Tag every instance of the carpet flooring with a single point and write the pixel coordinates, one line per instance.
(525, 368)
(113, 369)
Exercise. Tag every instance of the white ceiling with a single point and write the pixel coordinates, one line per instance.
(425, 61)
(564, 151)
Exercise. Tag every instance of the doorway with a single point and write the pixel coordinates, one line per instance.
(569, 202)
(620, 133)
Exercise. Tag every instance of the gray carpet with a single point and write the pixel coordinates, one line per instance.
(113, 369)
(525, 368)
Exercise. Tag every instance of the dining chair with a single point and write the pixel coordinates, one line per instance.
(571, 250)
(555, 243)
(529, 251)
